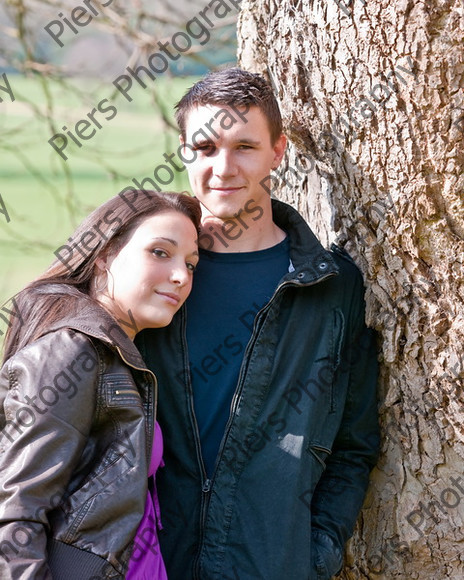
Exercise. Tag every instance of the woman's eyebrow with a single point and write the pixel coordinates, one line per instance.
(173, 242)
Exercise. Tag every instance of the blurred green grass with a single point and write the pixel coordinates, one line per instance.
(47, 197)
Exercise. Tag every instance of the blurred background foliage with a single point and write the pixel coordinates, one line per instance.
(55, 87)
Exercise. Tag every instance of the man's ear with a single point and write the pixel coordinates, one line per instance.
(279, 149)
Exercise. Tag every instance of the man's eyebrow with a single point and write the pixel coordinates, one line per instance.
(249, 142)
(203, 142)
(244, 141)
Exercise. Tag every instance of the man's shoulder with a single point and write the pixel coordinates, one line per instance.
(349, 284)
(344, 261)
(307, 244)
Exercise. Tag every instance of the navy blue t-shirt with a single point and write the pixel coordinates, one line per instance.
(228, 291)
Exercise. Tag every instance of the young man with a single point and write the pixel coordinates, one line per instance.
(267, 378)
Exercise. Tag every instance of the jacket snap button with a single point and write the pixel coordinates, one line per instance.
(323, 266)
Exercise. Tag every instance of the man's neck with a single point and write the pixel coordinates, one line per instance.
(239, 235)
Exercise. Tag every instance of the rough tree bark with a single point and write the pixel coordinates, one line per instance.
(373, 102)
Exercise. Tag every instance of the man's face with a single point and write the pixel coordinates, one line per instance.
(233, 158)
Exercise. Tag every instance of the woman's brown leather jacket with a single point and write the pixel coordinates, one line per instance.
(77, 411)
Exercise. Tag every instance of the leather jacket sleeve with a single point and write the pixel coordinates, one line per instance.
(340, 492)
(47, 403)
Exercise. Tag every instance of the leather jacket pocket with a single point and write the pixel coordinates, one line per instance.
(120, 390)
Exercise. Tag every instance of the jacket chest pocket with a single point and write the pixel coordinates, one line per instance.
(120, 391)
(319, 385)
(338, 328)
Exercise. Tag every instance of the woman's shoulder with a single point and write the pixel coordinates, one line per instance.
(59, 346)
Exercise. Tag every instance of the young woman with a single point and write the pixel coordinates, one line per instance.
(79, 443)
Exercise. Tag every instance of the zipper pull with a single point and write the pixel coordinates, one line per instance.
(206, 486)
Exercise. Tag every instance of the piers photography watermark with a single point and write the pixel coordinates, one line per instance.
(157, 63)
(6, 88)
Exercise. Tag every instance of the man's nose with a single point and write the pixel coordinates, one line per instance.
(224, 164)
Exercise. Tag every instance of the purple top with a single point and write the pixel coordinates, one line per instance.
(146, 562)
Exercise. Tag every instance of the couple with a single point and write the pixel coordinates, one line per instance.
(263, 384)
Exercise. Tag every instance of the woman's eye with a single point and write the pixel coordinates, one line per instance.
(191, 267)
(160, 253)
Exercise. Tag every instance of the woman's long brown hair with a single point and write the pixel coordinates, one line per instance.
(64, 285)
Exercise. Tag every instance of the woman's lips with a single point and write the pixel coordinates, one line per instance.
(169, 297)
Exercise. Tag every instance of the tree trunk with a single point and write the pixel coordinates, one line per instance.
(373, 103)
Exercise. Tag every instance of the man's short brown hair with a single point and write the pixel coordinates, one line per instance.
(232, 87)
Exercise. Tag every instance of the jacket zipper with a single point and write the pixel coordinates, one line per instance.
(150, 425)
(205, 497)
(205, 481)
(190, 398)
(208, 483)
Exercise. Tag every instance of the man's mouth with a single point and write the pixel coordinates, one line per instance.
(226, 189)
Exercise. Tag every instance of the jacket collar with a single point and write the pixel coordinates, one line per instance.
(95, 321)
(309, 258)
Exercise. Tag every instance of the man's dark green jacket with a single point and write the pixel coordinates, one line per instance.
(301, 439)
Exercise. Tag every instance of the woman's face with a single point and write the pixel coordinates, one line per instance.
(151, 276)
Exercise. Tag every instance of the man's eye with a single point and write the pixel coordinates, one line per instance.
(160, 253)
(245, 147)
(206, 148)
